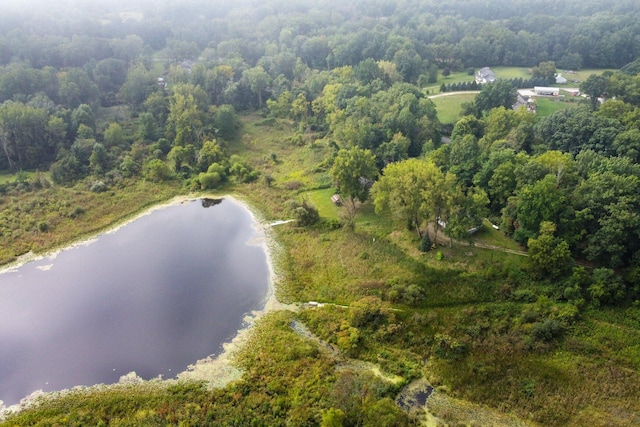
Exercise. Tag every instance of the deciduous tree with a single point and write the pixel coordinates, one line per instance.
(413, 191)
(549, 257)
(353, 171)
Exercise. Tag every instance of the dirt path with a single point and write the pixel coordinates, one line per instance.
(440, 95)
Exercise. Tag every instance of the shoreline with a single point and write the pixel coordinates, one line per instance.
(216, 370)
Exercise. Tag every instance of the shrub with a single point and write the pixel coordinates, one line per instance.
(242, 171)
(367, 312)
(425, 243)
(305, 213)
(209, 180)
(76, 212)
(332, 224)
(293, 185)
(547, 330)
(409, 295)
(524, 295)
(447, 347)
(157, 171)
(607, 287)
(98, 187)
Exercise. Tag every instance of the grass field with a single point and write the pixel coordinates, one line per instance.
(581, 75)
(449, 107)
(548, 106)
(321, 199)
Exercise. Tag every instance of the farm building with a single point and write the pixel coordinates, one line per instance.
(560, 80)
(546, 91)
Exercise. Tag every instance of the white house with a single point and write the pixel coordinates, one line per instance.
(485, 75)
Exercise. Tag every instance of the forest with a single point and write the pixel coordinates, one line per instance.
(109, 107)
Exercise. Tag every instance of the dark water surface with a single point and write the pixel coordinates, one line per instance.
(152, 297)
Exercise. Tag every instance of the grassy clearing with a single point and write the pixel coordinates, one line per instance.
(490, 236)
(321, 199)
(7, 177)
(294, 161)
(449, 107)
(580, 75)
(459, 77)
(512, 72)
(546, 106)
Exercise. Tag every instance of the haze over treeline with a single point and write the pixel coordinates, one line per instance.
(473, 33)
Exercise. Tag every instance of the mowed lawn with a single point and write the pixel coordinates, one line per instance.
(449, 107)
(548, 106)
(321, 199)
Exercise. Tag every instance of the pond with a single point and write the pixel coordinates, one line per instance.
(153, 296)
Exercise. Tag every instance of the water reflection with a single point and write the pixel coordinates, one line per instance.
(153, 297)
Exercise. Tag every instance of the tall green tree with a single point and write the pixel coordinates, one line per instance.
(549, 257)
(595, 87)
(139, 84)
(23, 137)
(498, 94)
(353, 171)
(114, 136)
(258, 79)
(186, 120)
(542, 201)
(413, 191)
(546, 71)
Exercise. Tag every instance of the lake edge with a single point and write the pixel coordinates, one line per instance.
(216, 371)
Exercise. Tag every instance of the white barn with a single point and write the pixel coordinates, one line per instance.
(546, 91)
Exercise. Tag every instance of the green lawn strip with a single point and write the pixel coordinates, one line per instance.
(580, 75)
